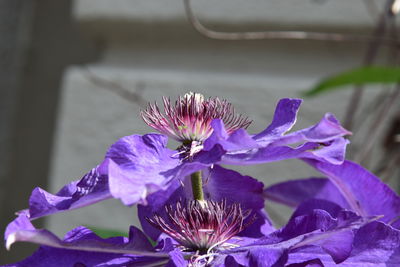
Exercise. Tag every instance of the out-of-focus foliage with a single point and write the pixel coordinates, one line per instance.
(106, 233)
(357, 76)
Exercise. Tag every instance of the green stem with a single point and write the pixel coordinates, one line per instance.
(197, 186)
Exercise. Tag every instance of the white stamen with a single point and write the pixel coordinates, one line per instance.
(198, 98)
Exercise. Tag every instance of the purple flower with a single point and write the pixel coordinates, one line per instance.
(135, 156)
(136, 167)
(320, 232)
(222, 185)
(202, 214)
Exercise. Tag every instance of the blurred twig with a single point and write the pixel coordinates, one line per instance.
(369, 58)
(294, 35)
(391, 167)
(377, 124)
(369, 109)
(379, 100)
(387, 104)
(372, 9)
(114, 87)
(390, 161)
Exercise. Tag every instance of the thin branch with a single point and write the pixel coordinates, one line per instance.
(370, 55)
(114, 87)
(377, 125)
(369, 109)
(391, 99)
(262, 35)
(379, 101)
(372, 9)
(390, 161)
(391, 167)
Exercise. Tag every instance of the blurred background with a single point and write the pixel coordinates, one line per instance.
(74, 76)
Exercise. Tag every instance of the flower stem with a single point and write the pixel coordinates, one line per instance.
(197, 186)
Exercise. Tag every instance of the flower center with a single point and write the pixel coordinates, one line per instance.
(202, 226)
(189, 119)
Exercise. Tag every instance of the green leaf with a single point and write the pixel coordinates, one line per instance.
(358, 76)
(106, 233)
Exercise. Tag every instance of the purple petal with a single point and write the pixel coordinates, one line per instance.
(284, 119)
(138, 164)
(229, 261)
(310, 205)
(316, 228)
(22, 222)
(267, 154)
(338, 245)
(219, 183)
(156, 205)
(142, 165)
(80, 238)
(322, 141)
(308, 263)
(302, 256)
(307, 223)
(55, 257)
(394, 260)
(81, 247)
(375, 198)
(331, 152)
(218, 135)
(375, 244)
(327, 129)
(92, 188)
(134, 167)
(294, 192)
(266, 256)
(336, 240)
(238, 140)
(201, 161)
(235, 188)
(177, 259)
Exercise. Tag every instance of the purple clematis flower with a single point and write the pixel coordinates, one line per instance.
(225, 224)
(319, 232)
(211, 133)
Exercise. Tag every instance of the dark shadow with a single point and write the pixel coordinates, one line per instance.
(50, 42)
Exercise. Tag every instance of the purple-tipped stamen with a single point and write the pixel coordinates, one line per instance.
(202, 226)
(189, 119)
